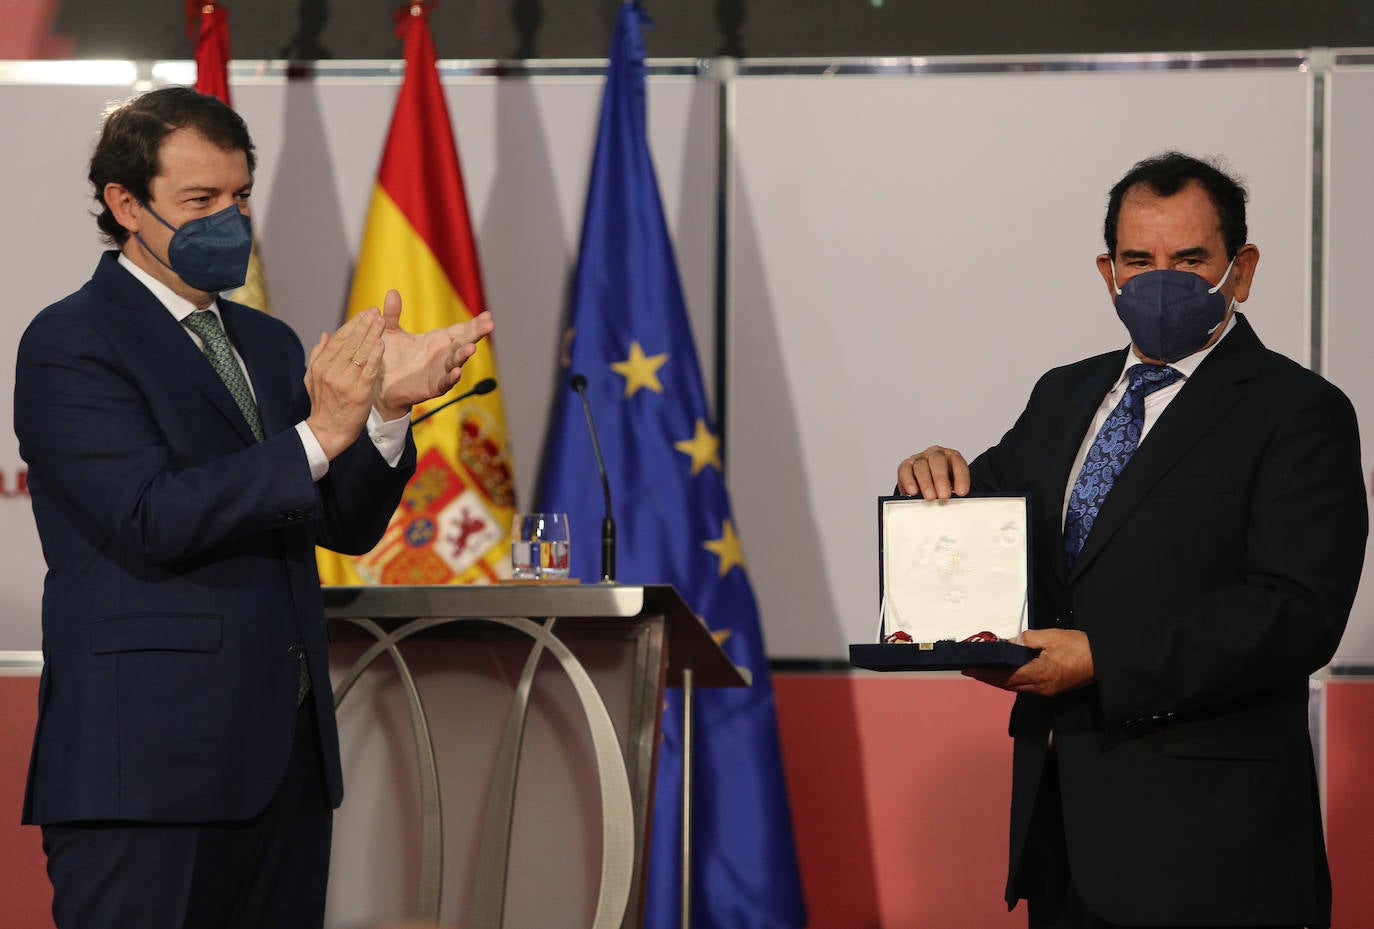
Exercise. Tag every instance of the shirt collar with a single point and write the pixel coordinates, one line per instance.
(1184, 366)
(177, 305)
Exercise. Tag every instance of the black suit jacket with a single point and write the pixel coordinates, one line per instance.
(1218, 576)
(181, 584)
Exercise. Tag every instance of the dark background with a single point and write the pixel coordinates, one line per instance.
(316, 29)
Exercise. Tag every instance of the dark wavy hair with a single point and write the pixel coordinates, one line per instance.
(132, 136)
(1165, 175)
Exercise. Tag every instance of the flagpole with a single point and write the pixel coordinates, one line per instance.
(722, 70)
(687, 794)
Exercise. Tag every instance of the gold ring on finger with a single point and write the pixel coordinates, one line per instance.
(356, 362)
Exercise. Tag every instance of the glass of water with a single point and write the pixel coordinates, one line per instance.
(539, 546)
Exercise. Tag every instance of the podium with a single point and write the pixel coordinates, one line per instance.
(570, 679)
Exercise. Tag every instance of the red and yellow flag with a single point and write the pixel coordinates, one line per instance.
(207, 24)
(454, 520)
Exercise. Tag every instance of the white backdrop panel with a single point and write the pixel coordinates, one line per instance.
(1349, 332)
(909, 253)
(50, 247)
(525, 146)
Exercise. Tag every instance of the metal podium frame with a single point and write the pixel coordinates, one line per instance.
(673, 648)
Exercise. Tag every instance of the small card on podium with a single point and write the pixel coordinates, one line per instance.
(954, 582)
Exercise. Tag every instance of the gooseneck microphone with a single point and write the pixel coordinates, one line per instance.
(485, 386)
(579, 384)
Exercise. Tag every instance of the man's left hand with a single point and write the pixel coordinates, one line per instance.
(1065, 662)
(421, 366)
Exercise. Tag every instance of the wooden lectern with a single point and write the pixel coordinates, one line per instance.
(568, 679)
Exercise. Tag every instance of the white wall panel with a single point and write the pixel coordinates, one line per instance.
(49, 242)
(1349, 331)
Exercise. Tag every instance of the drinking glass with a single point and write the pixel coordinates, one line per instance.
(539, 546)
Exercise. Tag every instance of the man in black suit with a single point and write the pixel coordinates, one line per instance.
(1199, 529)
(185, 457)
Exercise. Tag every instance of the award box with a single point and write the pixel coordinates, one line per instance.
(950, 571)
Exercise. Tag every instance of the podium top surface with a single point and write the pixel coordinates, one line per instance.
(690, 644)
(478, 600)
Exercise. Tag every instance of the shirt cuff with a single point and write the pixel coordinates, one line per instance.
(388, 437)
(314, 452)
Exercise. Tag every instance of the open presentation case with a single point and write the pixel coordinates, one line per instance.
(951, 572)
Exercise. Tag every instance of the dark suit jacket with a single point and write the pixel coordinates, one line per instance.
(1217, 577)
(181, 580)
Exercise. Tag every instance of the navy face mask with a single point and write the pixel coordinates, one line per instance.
(210, 253)
(1170, 314)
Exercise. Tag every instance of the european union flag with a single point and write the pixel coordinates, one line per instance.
(629, 335)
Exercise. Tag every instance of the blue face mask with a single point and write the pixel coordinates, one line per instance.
(210, 253)
(1170, 314)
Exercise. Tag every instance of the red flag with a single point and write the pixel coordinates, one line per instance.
(207, 24)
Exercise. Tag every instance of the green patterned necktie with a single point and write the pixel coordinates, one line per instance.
(216, 346)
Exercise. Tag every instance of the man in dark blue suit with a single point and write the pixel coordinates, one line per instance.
(1199, 534)
(185, 458)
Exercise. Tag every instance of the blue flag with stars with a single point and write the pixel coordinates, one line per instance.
(630, 337)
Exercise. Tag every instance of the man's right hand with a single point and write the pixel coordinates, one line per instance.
(933, 474)
(343, 379)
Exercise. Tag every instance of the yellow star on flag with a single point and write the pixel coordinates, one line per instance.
(640, 370)
(703, 447)
(727, 548)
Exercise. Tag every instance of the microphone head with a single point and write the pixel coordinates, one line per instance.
(578, 382)
(485, 386)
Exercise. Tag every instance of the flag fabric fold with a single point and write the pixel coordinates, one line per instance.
(453, 525)
(629, 335)
(207, 24)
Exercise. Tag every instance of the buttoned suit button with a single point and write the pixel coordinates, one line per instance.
(295, 652)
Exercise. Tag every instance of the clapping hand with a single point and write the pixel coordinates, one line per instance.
(421, 366)
(342, 377)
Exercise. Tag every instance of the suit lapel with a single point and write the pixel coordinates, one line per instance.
(1208, 396)
(150, 322)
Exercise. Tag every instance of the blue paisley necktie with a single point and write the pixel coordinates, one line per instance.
(1115, 444)
(216, 347)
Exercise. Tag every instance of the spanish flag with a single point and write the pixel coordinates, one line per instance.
(207, 24)
(454, 520)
